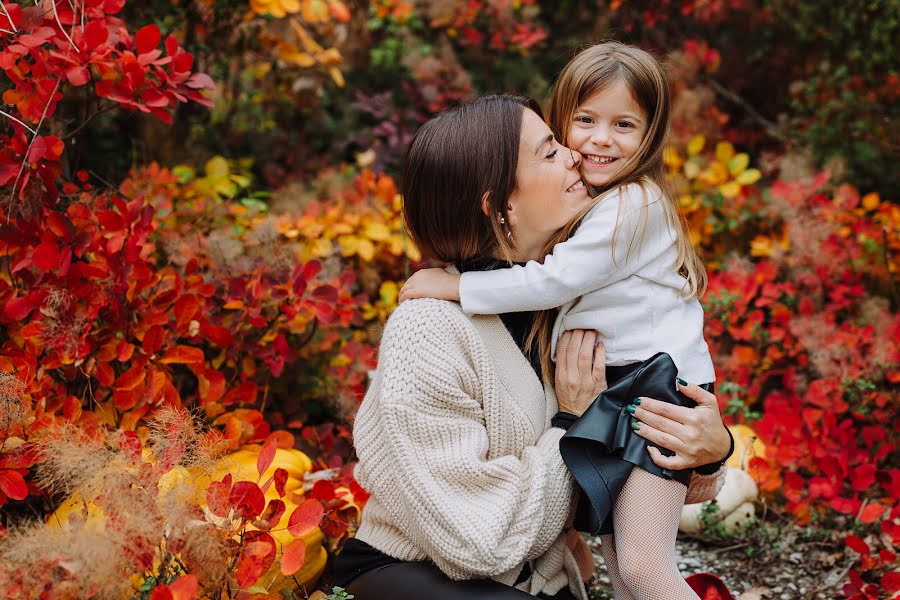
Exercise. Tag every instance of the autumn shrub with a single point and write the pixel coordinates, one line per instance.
(802, 323)
(158, 517)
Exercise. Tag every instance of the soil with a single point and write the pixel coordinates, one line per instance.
(769, 563)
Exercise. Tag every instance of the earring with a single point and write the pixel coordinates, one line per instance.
(502, 221)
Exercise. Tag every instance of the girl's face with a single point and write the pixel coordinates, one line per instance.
(607, 130)
(549, 189)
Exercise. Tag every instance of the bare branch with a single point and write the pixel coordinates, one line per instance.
(71, 134)
(22, 123)
(770, 127)
(12, 193)
(8, 18)
(62, 29)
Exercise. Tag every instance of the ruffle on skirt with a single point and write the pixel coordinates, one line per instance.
(600, 449)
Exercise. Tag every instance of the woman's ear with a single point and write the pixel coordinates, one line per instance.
(485, 207)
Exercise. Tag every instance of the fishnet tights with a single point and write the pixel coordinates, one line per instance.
(640, 554)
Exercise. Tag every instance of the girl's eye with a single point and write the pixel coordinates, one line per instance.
(583, 119)
(552, 154)
(624, 124)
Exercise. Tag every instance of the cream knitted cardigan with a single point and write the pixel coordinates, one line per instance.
(455, 445)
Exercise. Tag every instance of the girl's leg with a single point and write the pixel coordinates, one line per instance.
(645, 520)
(608, 550)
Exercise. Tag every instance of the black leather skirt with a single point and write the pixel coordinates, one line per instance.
(600, 449)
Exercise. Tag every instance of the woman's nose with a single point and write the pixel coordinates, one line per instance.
(575, 158)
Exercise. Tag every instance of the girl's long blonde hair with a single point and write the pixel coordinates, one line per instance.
(591, 71)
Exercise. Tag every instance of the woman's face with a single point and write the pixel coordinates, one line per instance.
(549, 190)
(607, 130)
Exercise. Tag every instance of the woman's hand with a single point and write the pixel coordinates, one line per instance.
(431, 283)
(696, 435)
(580, 370)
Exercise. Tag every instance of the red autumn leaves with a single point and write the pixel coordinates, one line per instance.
(44, 51)
(246, 502)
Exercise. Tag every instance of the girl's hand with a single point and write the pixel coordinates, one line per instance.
(431, 283)
(580, 370)
(696, 435)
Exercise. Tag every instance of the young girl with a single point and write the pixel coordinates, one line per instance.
(624, 267)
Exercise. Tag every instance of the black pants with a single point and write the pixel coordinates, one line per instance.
(418, 580)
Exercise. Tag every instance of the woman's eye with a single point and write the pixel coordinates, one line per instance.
(552, 154)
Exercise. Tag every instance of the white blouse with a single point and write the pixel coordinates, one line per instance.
(621, 283)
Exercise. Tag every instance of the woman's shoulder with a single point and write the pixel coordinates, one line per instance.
(426, 318)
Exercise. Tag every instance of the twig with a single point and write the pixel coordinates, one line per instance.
(22, 123)
(729, 548)
(70, 134)
(770, 127)
(841, 573)
(62, 29)
(12, 193)
(8, 18)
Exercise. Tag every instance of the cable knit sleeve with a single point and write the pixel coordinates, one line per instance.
(702, 488)
(425, 450)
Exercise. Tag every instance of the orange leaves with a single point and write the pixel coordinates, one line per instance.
(292, 557)
(266, 456)
(257, 555)
(184, 355)
(218, 496)
(305, 517)
(183, 588)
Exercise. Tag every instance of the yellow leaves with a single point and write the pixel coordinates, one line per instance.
(767, 246)
(306, 52)
(354, 245)
(724, 152)
(388, 294)
(731, 189)
(695, 146)
(671, 158)
(738, 163)
(221, 180)
(728, 173)
(377, 231)
(871, 201)
(314, 11)
(276, 8)
(749, 177)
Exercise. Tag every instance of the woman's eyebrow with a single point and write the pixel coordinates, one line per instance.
(544, 140)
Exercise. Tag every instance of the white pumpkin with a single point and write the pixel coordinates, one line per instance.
(735, 505)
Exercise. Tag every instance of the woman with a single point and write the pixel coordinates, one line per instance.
(457, 438)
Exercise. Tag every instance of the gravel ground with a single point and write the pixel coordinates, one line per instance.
(767, 564)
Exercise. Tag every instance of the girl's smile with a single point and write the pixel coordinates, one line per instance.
(607, 130)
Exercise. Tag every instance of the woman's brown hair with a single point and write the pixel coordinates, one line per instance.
(453, 161)
(591, 71)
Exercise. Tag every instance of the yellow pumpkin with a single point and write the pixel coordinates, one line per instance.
(746, 445)
(242, 466)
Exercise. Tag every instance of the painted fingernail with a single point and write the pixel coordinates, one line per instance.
(635, 425)
(636, 401)
(631, 408)
(681, 381)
